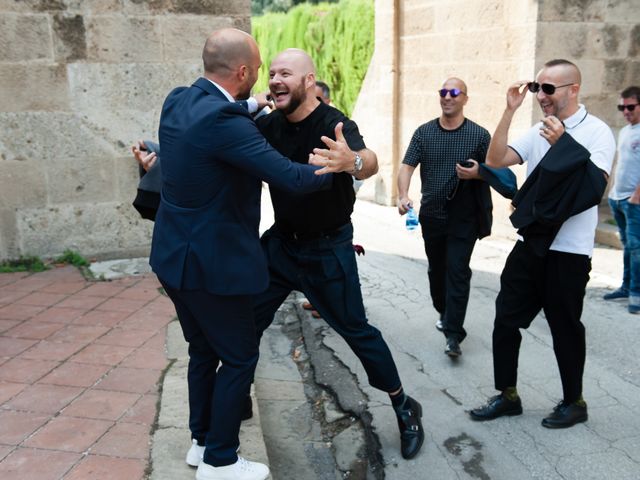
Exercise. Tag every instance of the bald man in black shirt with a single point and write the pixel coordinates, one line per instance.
(309, 248)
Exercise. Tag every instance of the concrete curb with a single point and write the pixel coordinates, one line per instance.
(171, 438)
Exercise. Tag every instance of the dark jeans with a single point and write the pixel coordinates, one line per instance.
(449, 253)
(219, 329)
(325, 270)
(627, 217)
(555, 284)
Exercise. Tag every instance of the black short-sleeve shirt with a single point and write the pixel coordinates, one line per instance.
(437, 151)
(317, 211)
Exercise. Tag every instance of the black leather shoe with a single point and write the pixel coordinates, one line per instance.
(498, 406)
(566, 415)
(247, 411)
(453, 348)
(411, 431)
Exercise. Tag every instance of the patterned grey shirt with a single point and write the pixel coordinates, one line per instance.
(437, 151)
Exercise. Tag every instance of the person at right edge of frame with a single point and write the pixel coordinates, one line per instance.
(569, 155)
(455, 209)
(205, 248)
(624, 199)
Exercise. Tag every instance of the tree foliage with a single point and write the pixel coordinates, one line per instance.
(339, 37)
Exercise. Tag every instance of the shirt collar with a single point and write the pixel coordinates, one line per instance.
(224, 92)
(576, 118)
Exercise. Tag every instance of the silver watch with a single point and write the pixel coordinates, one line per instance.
(357, 163)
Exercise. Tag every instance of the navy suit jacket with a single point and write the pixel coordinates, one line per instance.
(214, 158)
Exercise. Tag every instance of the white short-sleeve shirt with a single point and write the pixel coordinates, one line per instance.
(578, 232)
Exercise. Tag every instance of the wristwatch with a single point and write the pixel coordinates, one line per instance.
(357, 164)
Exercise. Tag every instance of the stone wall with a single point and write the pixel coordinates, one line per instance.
(80, 81)
(489, 44)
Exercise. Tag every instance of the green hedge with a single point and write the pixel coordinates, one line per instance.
(338, 36)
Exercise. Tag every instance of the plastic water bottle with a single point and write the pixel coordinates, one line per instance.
(412, 219)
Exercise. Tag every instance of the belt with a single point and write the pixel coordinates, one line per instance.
(305, 236)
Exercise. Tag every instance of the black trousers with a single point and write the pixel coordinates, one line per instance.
(449, 250)
(556, 284)
(220, 331)
(325, 270)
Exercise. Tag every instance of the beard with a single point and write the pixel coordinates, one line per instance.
(296, 98)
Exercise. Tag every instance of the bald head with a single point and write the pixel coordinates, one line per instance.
(226, 49)
(455, 82)
(298, 61)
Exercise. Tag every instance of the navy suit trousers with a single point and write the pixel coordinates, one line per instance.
(325, 270)
(219, 329)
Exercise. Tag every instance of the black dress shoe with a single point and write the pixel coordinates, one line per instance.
(453, 348)
(411, 431)
(566, 415)
(498, 406)
(247, 411)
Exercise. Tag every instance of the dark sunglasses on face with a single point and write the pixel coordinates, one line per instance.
(454, 92)
(631, 107)
(547, 88)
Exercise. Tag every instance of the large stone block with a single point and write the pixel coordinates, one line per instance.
(605, 41)
(619, 74)
(105, 229)
(59, 6)
(70, 37)
(622, 11)
(23, 184)
(41, 137)
(127, 178)
(467, 45)
(572, 10)
(31, 5)
(33, 87)
(469, 15)
(79, 180)
(593, 75)
(434, 49)
(562, 40)
(634, 42)
(9, 238)
(603, 106)
(24, 38)
(197, 7)
(122, 102)
(183, 36)
(417, 20)
(123, 39)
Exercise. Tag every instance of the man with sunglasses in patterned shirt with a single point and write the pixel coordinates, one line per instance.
(455, 209)
(556, 281)
(624, 198)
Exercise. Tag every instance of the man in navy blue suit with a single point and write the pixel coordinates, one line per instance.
(205, 248)
(309, 248)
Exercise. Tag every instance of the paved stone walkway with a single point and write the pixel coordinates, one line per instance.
(80, 363)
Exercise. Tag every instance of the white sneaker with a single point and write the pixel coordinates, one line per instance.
(195, 454)
(439, 325)
(241, 470)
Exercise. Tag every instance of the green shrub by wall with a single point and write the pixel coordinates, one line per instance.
(338, 36)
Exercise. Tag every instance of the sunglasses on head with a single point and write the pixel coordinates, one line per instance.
(547, 88)
(631, 107)
(454, 92)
